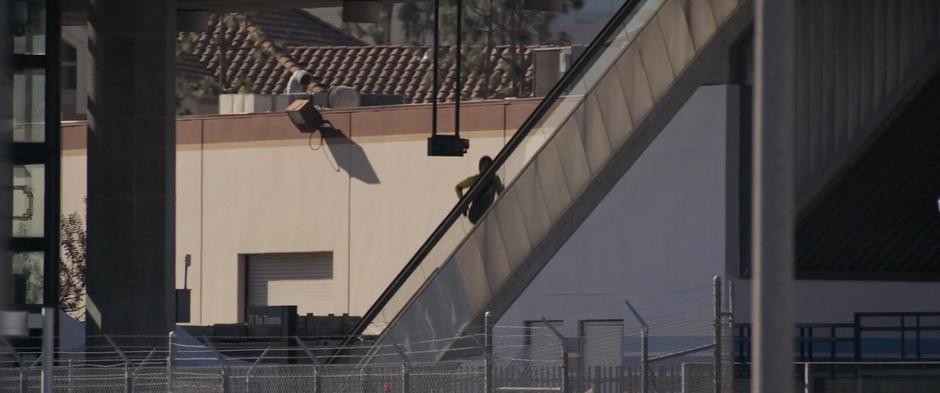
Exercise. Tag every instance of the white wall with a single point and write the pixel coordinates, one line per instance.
(660, 236)
(661, 229)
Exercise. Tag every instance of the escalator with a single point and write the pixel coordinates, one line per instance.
(558, 166)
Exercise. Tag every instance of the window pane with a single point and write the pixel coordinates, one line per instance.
(29, 106)
(28, 197)
(27, 278)
(28, 25)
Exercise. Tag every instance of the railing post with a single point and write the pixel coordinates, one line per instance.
(596, 383)
(717, 309)
(69, 388)
(808, 378)
(170, 378)
(488, 353)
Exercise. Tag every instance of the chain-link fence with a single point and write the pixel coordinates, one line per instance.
(669, 344)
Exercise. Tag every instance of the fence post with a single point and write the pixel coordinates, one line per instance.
(69, 388)
(487, 353)
(644, 348)
(169, 363)
(717, 361)
(730, 342)
(564, 355)
(316, 378)
(225, 376)
(808, 378)
(405, 376)
(24, 381)
(48, 349)
(252, 368)
(128, 384)
(128, 378)
(644, 359)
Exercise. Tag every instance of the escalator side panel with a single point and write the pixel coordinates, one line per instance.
(702, 22)
(472, 274)
(593, 133)
(613, 107)
(635, 84)
(723, 8)
(532, 204)
(495, 258)
(574, 160)
(655, 60)
(675, 29)
(439, 310)
(554, 186)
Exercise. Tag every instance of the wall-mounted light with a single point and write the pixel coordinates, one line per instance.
(305, 116)
(362, 11)
(543, 5)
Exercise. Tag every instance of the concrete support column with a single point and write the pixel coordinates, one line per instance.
(773, 197)
(131, 167)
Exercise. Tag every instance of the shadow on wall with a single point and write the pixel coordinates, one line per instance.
(357, 164)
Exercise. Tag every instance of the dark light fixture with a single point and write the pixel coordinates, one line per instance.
(305, 116)
(543, 5)
(362, 11)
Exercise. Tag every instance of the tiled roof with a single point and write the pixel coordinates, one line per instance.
(379, 70)
(253, 39)
(264, 50)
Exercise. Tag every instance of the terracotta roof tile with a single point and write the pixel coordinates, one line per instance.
(294, 40)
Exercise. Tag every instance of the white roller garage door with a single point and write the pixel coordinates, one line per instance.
(602, 343)
(304, 280)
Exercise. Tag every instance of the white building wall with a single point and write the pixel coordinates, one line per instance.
(661, 229)
(662, 232)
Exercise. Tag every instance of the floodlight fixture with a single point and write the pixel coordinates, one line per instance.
(305, 116)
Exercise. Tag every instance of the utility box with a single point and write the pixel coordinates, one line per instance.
(183, 297)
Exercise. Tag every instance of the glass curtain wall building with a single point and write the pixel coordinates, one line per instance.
(32, 132)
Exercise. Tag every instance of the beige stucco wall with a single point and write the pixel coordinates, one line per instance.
(251, 184)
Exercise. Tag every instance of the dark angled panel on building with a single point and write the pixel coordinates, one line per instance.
(879, 220)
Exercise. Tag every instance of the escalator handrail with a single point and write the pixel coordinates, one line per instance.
(582, 64)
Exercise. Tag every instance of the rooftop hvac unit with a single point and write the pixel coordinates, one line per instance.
(344, 97)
